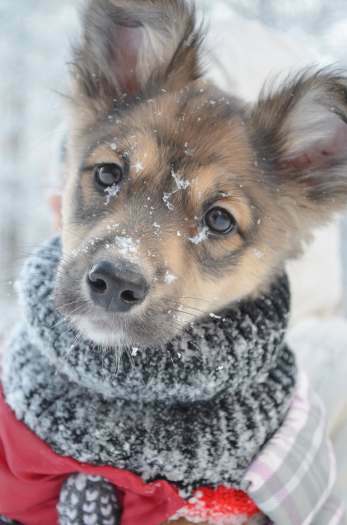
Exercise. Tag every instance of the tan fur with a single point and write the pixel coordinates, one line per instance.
(281, 216)
(235, 172)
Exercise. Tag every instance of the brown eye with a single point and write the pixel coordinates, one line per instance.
(219, 220)
(107, 175)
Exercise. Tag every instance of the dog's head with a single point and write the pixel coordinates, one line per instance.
(181, 199)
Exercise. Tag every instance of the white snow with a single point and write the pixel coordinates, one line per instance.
(258, 253)
(139, 167)
(112, 227)
(126, 245)
(166, 199)
(111, 193)
(170, 277)
(214, 316)
(181, 183)
(188, 150)
(201, 236)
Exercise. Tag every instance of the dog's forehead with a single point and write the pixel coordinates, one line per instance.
(192, 113)
(196, 133)
(194, 128)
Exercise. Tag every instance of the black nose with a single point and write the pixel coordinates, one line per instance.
(116, 288)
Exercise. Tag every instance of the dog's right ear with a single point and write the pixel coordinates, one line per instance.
(130, 48)
(300, 134)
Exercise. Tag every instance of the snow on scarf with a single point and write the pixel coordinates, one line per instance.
(195, 412)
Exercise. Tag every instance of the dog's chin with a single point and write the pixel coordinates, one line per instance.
(111, 334)
(102, 333)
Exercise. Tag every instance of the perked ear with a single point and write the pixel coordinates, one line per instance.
(131, 47)
(300, 133)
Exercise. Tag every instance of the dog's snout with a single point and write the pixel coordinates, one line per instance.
(116, 288)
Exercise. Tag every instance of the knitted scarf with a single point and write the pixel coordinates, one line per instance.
(195, 412)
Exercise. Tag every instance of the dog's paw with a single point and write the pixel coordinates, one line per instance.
(88, 500)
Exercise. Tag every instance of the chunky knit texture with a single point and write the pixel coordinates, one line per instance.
(195, 412)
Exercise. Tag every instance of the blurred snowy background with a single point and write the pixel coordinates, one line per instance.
(249, 40)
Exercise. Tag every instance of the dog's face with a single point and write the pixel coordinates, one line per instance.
(180, 199)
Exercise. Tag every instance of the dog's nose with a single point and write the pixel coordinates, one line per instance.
(116, 288)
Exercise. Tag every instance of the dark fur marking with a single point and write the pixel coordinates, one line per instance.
(214, 266)
(177, 156)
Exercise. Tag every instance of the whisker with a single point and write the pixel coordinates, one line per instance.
(175, 303)
(196, 299)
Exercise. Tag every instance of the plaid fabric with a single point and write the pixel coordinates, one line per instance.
(292, 480)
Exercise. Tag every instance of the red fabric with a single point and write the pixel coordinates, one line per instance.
(31, 477)
(211, 505)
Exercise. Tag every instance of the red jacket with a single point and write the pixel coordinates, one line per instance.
(32, 475)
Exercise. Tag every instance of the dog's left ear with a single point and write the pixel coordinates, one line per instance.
(300, 135)
(134, 48)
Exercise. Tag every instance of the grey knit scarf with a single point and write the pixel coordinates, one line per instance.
(195, 412)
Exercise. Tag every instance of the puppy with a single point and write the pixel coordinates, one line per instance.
(166, 174)
(180, 198)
